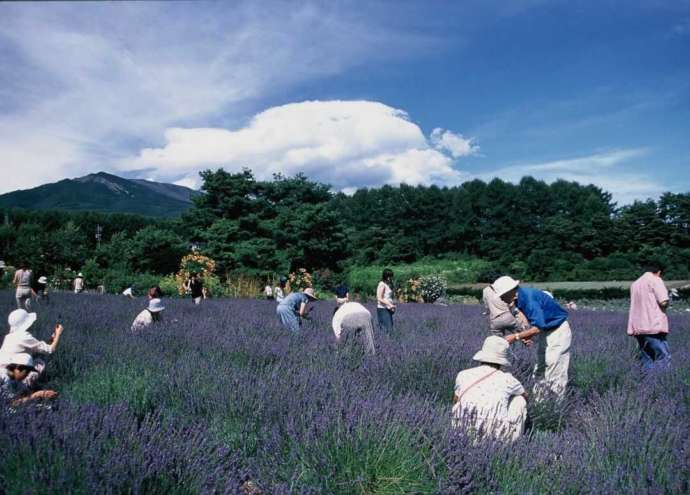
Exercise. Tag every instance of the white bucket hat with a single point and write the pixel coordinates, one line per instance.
(22, 359)
(156, 305)
(42, 280)
(80, 274)
(19, 320)
(504, 284)
(310, 292)
(494, 350)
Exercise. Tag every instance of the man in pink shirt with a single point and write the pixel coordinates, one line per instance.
(647, 320)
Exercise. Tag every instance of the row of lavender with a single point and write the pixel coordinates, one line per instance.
(219, 394)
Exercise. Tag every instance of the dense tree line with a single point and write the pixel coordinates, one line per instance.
(536, 230)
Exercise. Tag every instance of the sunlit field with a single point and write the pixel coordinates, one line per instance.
(220, 394)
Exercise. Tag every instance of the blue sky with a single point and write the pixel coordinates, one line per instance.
(351, 93)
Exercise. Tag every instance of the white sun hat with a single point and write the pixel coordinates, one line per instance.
(310, 292)
(22, 359)
(504, 284)
(20, 320)
(156, 305)
(42, 280)
(80, 274)
(494, 350)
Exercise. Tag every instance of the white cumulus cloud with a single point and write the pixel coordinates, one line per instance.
(347, 144)
(454, 143)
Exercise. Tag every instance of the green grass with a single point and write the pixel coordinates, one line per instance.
(363, 279)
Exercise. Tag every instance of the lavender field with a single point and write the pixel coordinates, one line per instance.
(220, 394)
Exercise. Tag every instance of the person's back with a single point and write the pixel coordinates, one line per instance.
(646, 316)
(293, 300)
(22, 278)
(501, 319)
(78, 284)
(541, 310)
(142, 321)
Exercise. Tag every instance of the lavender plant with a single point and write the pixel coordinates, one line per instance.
(219, 394)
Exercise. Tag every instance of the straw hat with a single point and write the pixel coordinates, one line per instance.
(504, 284)
(20, 320)
(310, 292)
(494, 350)
(156, 305)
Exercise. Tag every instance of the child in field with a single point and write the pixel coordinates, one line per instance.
(487, 398)
(18, 380)
(148, 316)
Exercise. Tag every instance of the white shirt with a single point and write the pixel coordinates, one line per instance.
(127, 292)
(344, 311)
(21, 342)
(387, 294)
(489, 398)
(279, 294)
(268, 291)
(143, 320)
(78, 283)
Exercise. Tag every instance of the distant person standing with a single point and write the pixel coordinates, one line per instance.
(22, 281)
(294, 307)
(196, 288)
(384, 301)
(79, 283)
(279, 290)
(647, 319)
(268, 292)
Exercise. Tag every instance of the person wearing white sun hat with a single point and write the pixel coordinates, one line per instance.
(148, 316)
(489, 399)
(548, 322)
(79, 283)
(19, 340)
(16, 382)
(40, 289)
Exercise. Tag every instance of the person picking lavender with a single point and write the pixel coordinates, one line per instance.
(549, 324)
(294, 307)
(18, 380)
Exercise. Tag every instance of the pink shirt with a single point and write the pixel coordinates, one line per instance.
(646, 317)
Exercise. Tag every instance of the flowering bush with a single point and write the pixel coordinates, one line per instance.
(301, 279)
(432, 287)
(410, 291)
(194, 263)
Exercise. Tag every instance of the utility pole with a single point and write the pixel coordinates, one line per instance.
(99, 235)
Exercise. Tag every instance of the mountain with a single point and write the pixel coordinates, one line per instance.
(105, 192)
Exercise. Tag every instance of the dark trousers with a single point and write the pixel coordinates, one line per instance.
(385, 317)
(653, 350)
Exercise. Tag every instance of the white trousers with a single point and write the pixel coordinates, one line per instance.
(508, 428)
(553, 360)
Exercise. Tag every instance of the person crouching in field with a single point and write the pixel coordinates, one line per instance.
(489, 399)
(549, 323)
(647, 319)
(353, 321)
(503, 318)
(148, 316)
(19, 340)
(40, 289)
(18, 380)
(294, 307)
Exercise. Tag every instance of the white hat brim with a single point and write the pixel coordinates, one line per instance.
(26, 324)
(485, 357)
